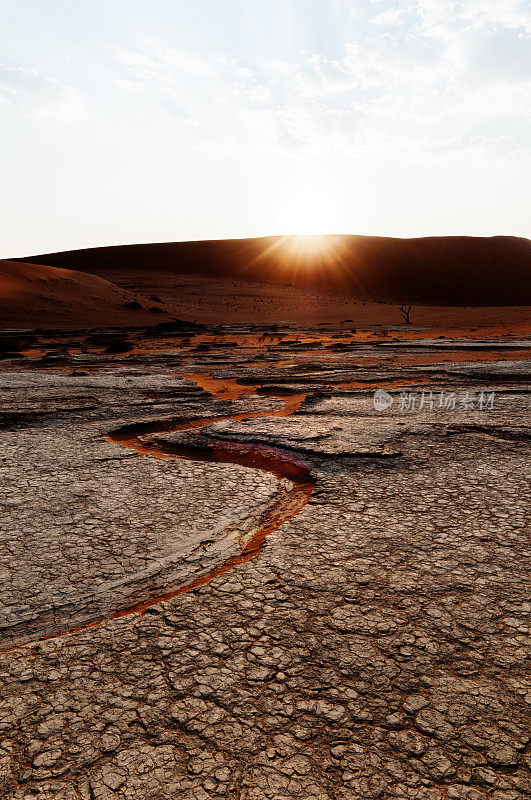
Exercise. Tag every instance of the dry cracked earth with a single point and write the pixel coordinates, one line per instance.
(226, 574)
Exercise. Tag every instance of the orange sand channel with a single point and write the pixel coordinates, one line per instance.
(254, 456)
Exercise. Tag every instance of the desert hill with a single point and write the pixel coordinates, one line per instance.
(454, 270)
(36, 295)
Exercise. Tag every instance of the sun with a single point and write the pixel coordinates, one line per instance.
(307, 220)
(308, 213)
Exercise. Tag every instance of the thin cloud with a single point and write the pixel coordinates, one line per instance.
(39, 96)
(424, 75)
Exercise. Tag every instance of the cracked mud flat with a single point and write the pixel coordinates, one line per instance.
(225, 575)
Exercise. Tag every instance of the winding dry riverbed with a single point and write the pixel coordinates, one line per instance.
(295, 489)
(291, 501)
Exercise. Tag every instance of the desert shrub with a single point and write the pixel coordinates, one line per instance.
(10, 344)
(119, 345)
(177, 326)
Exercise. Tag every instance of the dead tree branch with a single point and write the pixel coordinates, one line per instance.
(405, 313)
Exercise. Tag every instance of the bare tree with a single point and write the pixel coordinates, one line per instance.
(405, 313)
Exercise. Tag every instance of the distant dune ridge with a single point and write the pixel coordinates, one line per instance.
(453, 270)
(34, 295)
(356, 280)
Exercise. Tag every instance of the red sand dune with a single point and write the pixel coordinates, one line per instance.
(454, 270)
(35, 295)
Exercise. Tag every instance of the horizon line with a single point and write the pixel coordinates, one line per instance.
(266, 236)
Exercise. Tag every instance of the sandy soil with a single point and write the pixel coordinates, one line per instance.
(34, 295)
(212, 300)
(45, 296)
(343, 281)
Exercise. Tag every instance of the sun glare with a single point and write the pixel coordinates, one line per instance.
(306, 244)
(309, 235)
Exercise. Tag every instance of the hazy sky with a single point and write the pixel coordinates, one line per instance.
(130, 121)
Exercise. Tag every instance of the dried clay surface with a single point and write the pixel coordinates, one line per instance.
(227, 574)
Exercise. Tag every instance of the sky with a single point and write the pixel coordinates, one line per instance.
(128, 121)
